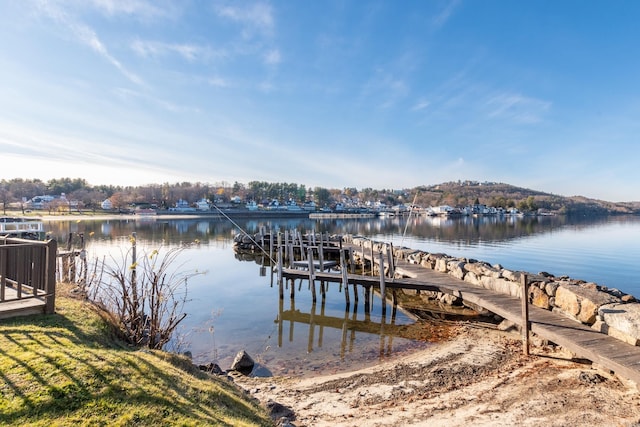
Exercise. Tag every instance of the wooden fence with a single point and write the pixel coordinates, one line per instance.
(27, 275)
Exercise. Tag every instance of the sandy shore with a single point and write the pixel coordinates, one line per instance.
(478, 378)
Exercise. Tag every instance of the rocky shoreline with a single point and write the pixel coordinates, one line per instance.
(607, 310)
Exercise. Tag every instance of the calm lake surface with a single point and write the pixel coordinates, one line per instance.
(234, 305)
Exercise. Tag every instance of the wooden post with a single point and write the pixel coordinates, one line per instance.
(302, 255)
(345, 278)
(50, 277)
(373, 263)
(280, 284)
(271, 245)
(392, 267)
(382, 284)
(321, 256)
(134, 258)
(3, 272)
(312, 275)
(525, 314)
(352, 263)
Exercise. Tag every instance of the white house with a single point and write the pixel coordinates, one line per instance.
(107, 205)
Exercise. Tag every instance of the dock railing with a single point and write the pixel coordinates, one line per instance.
(28, 272)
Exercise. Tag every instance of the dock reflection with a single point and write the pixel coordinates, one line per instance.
(350, 324)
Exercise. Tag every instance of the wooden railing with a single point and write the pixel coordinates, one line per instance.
(28, 271)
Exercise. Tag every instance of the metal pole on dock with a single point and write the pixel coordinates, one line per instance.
(525, 314)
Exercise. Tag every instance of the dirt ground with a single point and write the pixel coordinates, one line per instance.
(478, 378)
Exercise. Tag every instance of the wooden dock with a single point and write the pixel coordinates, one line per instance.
(585, 342)
(12, 306)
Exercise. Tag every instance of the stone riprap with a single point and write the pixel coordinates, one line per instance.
(606, 309)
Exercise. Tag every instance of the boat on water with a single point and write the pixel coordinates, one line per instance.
(21, 227)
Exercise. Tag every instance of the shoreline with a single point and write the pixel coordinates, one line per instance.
(479, 377)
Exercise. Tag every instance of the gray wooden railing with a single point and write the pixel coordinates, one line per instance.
(27, 273)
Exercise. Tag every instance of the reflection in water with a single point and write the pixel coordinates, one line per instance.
(305, 338)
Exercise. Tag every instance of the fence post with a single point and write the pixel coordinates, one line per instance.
(50, 277)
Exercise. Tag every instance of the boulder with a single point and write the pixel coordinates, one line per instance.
(472, 278)
(441, 264)
(456, 269)
(502, 286)
(581, 302)
(243, 363)
(623, 318)
(538, 297)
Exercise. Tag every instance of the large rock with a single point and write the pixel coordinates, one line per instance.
(582, 302)
(502, 286)
(243, 363)
(472, 278)
(538, 297)
(622, 319)
(456, 269)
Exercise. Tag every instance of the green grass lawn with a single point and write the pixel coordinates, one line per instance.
(68, 369)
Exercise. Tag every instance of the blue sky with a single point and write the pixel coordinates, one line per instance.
(381, 94)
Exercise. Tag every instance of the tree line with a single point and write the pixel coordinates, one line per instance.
(457, 194)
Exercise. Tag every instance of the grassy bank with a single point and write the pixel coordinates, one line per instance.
(67, 369)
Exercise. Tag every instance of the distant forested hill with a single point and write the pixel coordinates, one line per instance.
(464, 193)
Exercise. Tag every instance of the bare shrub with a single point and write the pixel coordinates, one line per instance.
(146, 294)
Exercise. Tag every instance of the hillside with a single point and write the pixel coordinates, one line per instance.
(64, 370)
(464, 193)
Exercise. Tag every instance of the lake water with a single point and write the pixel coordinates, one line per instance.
(235, 304)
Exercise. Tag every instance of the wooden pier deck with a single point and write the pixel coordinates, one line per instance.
(585, 342)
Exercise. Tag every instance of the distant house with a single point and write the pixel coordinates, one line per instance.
(182, 206)
(40, 202)
(203, 205)
(107, 205)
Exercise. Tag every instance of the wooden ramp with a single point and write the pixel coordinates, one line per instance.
(583, 341)
(586, 343)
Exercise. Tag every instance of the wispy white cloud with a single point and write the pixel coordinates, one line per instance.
(258, 30)
(272, 57)
(190, 52)
(385, 88)
(256, 18)
(139, 8)
(217, 81)
(85, 35)
(420, 105)
(443, 16)
(516, 108)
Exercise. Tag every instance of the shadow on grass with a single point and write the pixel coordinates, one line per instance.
(54, 369)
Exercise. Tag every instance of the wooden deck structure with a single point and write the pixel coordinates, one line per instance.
(586, 343)
(27, 277)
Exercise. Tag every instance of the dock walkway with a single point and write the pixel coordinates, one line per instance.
(585, 342)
